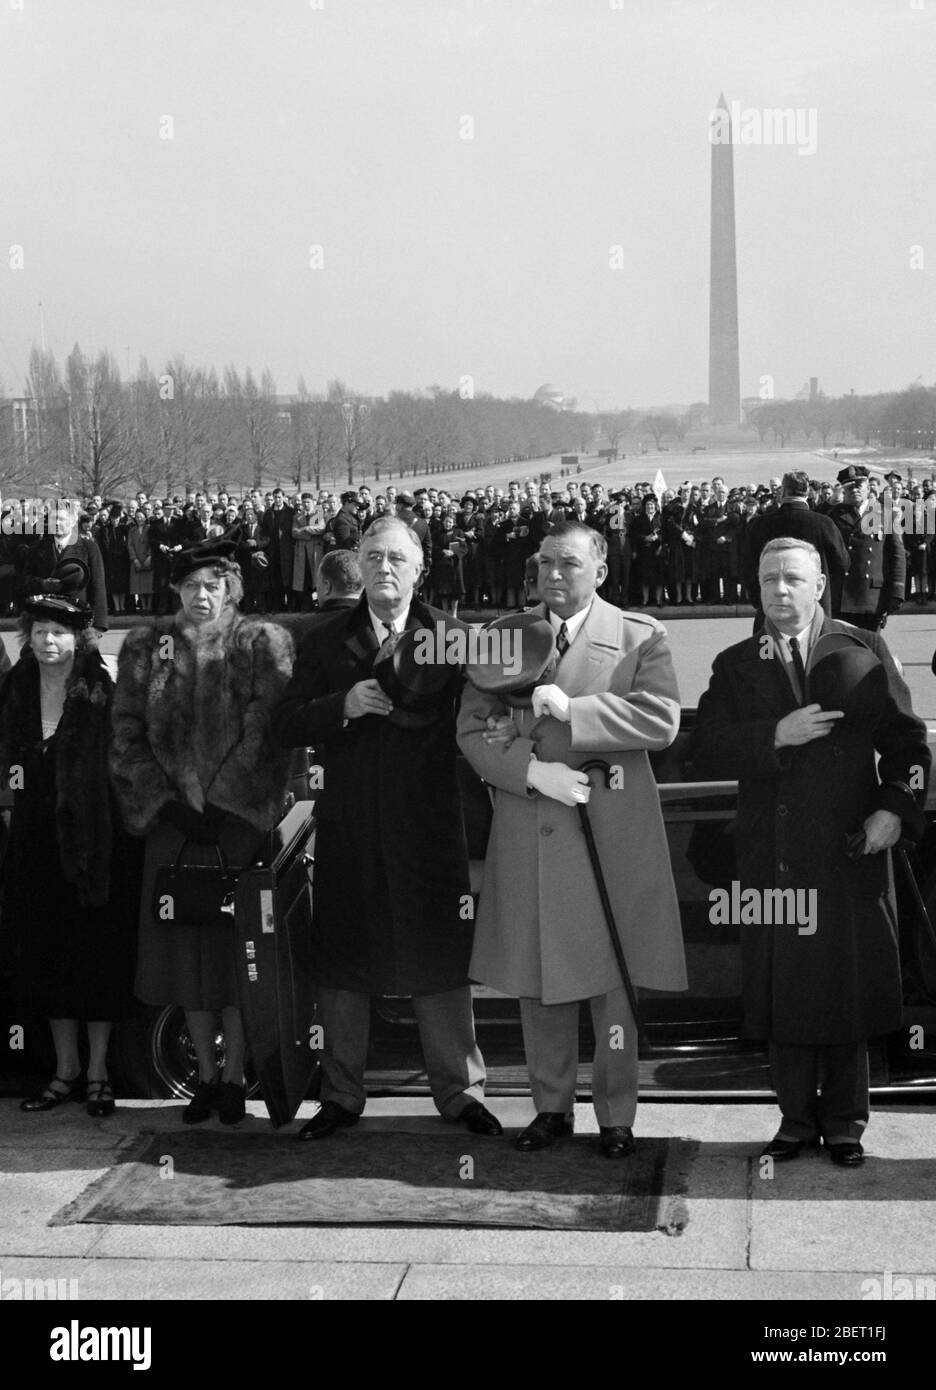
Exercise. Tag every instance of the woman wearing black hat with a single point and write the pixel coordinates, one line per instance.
(68, 876)
(196, 771)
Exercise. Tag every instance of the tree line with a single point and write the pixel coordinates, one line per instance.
(83, 429)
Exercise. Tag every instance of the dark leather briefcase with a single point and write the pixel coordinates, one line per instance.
(273, 928)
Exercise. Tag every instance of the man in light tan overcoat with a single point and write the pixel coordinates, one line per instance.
(541, 934)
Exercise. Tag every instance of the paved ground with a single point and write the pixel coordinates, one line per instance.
(810, 1232)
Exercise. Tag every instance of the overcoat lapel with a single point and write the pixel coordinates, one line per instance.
(597, 647)
(360, 639)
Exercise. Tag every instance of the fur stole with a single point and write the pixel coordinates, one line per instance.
(192, 719)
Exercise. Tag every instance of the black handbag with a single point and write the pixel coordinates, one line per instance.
(195, 895)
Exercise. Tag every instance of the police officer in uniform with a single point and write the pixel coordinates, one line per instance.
(874, 584)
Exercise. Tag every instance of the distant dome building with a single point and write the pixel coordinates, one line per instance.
(551, 395)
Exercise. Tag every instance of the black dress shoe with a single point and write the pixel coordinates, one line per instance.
(100, 1099)
(847, 1155)
(202, 1103)
(330, 1116)
(616, 1141)
(548, 1126)
(782, 1150)
(231, 1102)
(479, 1119)
(48, 1099)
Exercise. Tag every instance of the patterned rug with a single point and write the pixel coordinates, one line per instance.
(378, 1178)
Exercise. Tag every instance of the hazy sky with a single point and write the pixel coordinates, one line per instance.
(339, 124)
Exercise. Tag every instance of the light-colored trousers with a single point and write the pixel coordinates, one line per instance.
(551, 1042)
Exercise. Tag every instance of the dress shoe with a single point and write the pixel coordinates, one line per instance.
(330, 1116)
(479, 1119)
(231, 1103)
(202, 1103)
(782, 1150)
(48, 1098)
(616, 1141)
(548, 1126)
(847, 1155)
(100, 1099)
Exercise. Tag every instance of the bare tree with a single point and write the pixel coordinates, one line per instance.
(660, 425)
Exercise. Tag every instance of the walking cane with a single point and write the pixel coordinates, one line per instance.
(598, 764)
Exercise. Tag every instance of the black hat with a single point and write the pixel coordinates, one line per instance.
(215, 550)
(854, 473)
(845, 674)
(893, 477)
(531, 658)
(349, 496)
(417, 676)
(56, 598)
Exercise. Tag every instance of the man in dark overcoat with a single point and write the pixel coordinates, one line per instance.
(276, 524)
(794, 517)
(796, 714)
(874, 586)
(392, 903)
(64, 542)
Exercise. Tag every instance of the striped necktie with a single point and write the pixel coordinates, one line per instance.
(562, 641)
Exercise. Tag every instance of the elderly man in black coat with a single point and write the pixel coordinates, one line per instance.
(392, 902)
(796, 714)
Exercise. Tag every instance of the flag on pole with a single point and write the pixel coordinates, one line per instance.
(659, 486)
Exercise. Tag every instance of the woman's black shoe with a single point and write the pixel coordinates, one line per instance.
(202, 1103)
(100, 1099)
(231, 1103)
(48, 1099)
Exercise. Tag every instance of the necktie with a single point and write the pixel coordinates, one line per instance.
(562, 641)
(798, 667)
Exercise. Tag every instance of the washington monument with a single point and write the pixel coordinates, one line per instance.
(724, 380)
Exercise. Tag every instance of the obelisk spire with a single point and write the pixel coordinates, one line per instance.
(724, 376)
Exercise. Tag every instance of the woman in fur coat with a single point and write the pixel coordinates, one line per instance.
(70, 875)
(195, 769)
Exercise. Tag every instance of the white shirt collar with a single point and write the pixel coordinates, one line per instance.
(380, 624)
(573, 624)
(803, 642)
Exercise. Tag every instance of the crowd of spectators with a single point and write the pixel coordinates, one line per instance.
(682, 547)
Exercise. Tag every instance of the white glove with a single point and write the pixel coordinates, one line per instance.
(549, 699)
(560, 782)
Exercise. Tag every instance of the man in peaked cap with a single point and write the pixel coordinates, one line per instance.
(797, 714)
(873, 586)
(542, 934)
(392, 895)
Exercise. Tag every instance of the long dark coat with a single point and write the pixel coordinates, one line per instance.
(842, 983)
(42, 557)
(391, 863)
(797, 520)
(277, 529)
(877, 569)
(70, 875)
